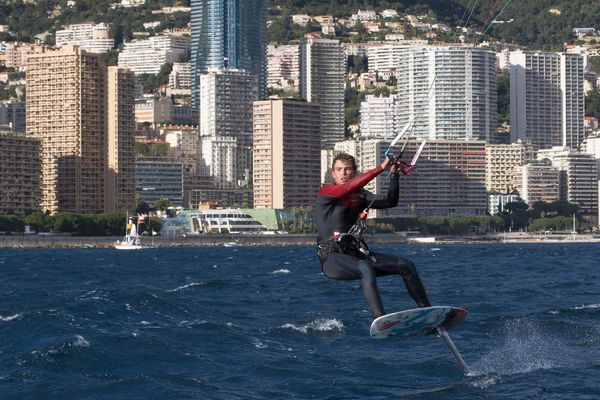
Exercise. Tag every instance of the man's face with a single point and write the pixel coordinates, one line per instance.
(342, 172)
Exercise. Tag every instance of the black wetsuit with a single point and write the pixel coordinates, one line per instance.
(338, 208)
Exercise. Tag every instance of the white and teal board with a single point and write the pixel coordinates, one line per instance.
(416, 322)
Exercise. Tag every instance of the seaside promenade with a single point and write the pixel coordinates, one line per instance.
(59, 241)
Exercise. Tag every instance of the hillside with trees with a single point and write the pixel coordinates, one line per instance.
(538, 24)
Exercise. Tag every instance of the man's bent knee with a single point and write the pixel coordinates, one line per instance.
(366, 271)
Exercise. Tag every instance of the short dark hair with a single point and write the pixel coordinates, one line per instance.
(345, 158)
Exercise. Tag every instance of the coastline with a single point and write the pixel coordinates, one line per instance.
(70, 242)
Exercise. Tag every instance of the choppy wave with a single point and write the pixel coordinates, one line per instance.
(319, 325)
(103, 324)
(189, 285)
(588, 306)
(10, 317)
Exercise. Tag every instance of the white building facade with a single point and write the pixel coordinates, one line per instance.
(547, 101)
(449, 92)
(323, 80)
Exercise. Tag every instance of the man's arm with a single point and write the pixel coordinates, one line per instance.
(339, 191)
(392, 197)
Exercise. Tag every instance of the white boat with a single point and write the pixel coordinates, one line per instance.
(131, 240)
(213, 221)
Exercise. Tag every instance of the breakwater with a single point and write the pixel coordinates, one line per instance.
(50, 241)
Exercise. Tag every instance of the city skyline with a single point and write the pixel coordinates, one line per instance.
(448, 91)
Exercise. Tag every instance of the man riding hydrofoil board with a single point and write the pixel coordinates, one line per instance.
(345, 256)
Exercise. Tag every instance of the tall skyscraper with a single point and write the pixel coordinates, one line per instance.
(547, 101)
(322, 81)
(66, 109)
(120, 180)
(287, 143)
(225, 121)
(228, 34)
(449, 92)
(578, 176)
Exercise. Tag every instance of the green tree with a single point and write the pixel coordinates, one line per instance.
(162, 204)
(142, 207)
(39, 221)
(503, 88)
(11, 223)
(65, 222)
(358, 64)
(592, 104)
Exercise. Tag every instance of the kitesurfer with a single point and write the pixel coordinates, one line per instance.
(345, 256)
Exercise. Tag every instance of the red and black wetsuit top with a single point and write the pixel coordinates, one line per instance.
(339, 206)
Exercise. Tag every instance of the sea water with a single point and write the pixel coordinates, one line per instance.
(264, 323)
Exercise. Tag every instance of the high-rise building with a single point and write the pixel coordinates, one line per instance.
(547, 101)
(379, 117)
(537, 181)
(226, 102)
(287, 143)
(578, 176)
(449, 92)
(158, 178)
(500, 163)
(450, 178)
(20, 168)
(66, 110)
(120, 180)
(228, 34)
(283, 67)
(322, 81)
(12, 115)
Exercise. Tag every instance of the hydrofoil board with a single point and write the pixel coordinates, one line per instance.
(417, 322)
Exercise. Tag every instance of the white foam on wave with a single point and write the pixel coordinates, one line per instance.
(281, 271)
(587, 306)
(80, 341)
(10, 317)
(319, 325)
(258, 344)
(186, 286)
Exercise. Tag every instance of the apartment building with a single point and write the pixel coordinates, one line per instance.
(20, 167)
(537, 181)
(66, 111)
(449, 179)
(547, 101)
(12, 115)
(449, 92)
(149, 55)
(17, 54)
(120, 179)
(226, 98)
(380, 117)
(578, 176)
(286, 153)
(94, 38)
(283, 67)
(322, 81)
(500, 163)
(159, 178)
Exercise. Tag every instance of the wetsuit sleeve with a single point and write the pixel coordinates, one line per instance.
(392, 197)
(339, 191)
